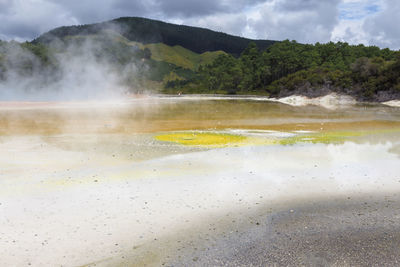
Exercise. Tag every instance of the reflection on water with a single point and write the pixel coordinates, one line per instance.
(154, 115)
(140, 129)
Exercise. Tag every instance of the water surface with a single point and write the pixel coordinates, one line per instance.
(91, 182)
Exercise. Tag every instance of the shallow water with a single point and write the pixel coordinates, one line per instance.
(94, 183)
(150, 115)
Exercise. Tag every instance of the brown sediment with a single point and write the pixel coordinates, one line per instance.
(48, 124)
(151, 117)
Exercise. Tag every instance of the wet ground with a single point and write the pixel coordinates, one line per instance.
(198, 182)
(363, 231)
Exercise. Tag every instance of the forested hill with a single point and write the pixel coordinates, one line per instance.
(289, 68)
(147, 31)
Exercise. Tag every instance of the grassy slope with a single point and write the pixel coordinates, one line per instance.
(181, 56)
(176, 55)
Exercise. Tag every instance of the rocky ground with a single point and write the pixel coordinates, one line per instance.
(364, 231)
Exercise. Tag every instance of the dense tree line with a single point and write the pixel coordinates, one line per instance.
(289, 67)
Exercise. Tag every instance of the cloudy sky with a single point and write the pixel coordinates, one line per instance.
(373, 22)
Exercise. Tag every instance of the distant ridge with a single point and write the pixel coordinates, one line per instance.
(147, 31)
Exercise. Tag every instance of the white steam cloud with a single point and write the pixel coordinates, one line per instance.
(80, 73)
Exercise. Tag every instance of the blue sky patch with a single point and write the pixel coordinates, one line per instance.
(358, 10)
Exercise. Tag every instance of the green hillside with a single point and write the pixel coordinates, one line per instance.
(181, 56)
(155, 64)
(149, 31)
(177, 55)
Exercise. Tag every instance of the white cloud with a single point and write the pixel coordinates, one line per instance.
(306, 21)
(383, 28)
(350, 31)
(371, 22)
(26, 19)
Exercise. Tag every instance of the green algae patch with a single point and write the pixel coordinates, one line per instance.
(324, 138)
(332, 137)
(202, 139)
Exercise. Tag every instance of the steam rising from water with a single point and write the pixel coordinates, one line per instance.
(81, 74)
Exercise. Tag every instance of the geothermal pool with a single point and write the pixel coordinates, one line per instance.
(197, 181)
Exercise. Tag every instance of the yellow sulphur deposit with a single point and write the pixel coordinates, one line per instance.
(202, 138)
